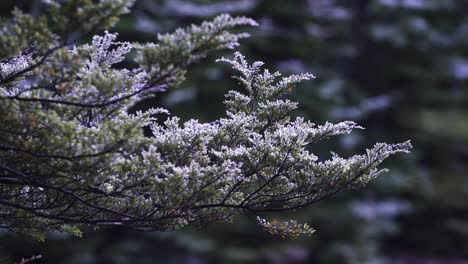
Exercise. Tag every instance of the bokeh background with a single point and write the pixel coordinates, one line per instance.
(397, 67)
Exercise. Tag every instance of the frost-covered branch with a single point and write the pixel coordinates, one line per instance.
(71, 154)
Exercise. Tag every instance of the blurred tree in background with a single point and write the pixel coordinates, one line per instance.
(398, 67)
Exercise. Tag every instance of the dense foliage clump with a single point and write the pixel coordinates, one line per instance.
(72, 154)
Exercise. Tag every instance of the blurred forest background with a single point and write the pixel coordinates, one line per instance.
(397, 67)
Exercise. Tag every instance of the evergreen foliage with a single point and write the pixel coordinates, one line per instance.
(71, 154)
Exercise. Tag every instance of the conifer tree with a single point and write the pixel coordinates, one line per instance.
(71, 154)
